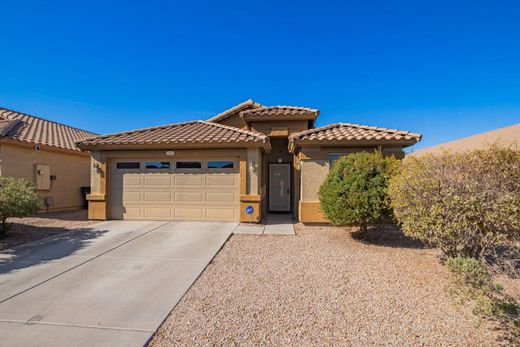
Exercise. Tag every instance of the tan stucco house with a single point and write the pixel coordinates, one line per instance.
(239, 165)
(44, 153)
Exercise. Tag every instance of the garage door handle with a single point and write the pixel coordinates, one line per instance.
(288, 191)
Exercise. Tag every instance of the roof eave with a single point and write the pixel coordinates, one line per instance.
(266, 118)
(294, 144)
(30, 144)
(264, 144)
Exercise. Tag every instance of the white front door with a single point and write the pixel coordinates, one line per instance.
(280, 187)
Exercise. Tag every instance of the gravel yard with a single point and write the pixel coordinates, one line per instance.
(43, 225)
(322, 287)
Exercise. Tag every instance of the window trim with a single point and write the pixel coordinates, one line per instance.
(190, 161)
(217, 169)
(128, 161)
(339, 157)
(162, 169)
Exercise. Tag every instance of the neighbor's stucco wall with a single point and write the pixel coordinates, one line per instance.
(72, 172)
(314, 167)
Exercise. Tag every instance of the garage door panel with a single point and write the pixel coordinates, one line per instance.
(203, 194)
(189, 196)
(157, 212)
(221, 213)
(131, 196)
(220, 180)
(188, 180)
(131, 180)
(157, 196)
(220, 197)
(161, 180)
(132, 212)
(188, 213)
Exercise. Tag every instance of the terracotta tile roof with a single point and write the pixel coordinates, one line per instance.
(243, 106)
(280, 112)
(194, 132)
(18, 126)
(6, 125)
(348, 133)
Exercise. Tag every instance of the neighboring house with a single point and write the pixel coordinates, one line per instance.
(503, 137)
(44, 153)
(239, 165)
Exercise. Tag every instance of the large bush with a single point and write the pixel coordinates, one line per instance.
(463, 203)
(18, 198)
(355, 190)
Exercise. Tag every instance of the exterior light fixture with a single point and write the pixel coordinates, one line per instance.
(252, 166)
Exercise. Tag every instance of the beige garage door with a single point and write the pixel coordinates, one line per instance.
(181, 189)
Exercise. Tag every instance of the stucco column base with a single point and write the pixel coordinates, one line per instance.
(310, 212)
(254, 201)
(97, 207)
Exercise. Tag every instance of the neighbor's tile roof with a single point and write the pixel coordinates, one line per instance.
(353, 133)
(281, 112)
(240, 107)
(6, 125)
(194, 132)
(23, 127)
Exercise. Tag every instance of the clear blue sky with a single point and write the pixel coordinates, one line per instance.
(443, 68)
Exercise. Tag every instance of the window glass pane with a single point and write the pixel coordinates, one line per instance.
(333, 158)
(157, 164)
(188, 165)
(220, 164)
(128, 165)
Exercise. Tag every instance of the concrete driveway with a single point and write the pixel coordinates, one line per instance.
(110, 285)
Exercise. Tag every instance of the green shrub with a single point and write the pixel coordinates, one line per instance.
(18, 198)
(472, 282)
(355, 190)
(463, 203)
(471, 276)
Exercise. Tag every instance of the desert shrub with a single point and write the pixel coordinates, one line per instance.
(471, 282)
(18, 198)
(465, 203)
(355, 190)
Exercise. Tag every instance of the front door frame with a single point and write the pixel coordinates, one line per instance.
(269, 187)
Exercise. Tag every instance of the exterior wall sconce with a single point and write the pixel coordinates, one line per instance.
(252, 166)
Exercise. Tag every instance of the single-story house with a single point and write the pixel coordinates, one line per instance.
(44, 152)
(503, 137)
(239, 165)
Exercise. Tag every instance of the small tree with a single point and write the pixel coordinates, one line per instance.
(18, 198)
(463, 203)
(355, 190)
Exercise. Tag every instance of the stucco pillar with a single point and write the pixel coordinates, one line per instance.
(252, 198)
(253, 170)
(97, 200)
(312, 174)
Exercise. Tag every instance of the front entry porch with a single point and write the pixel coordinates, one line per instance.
(271, 224)
(278, 179)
